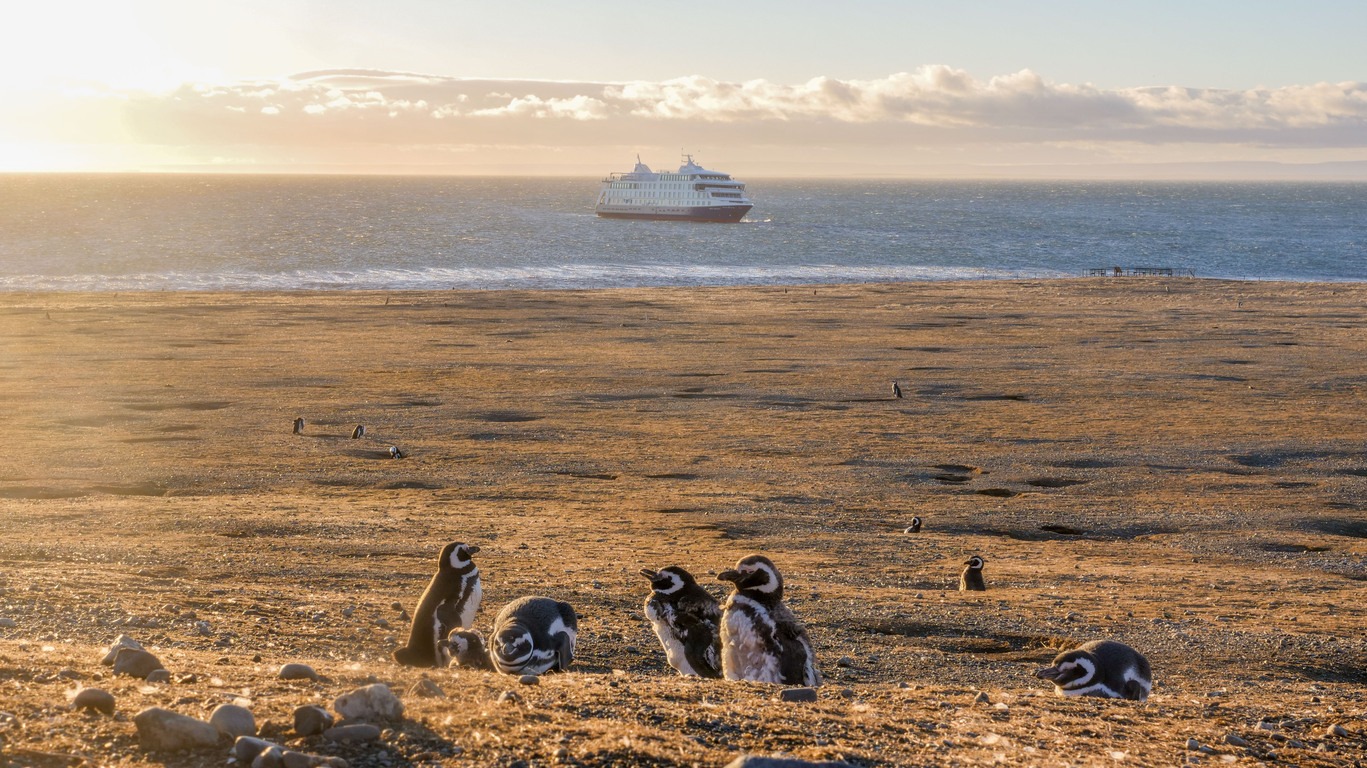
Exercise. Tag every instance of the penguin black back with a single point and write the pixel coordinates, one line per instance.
(450, 601)
(1103, 668)
(686, 619)
(971, 580)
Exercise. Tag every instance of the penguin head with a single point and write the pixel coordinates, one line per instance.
(513, 643)
(915, 524)
(669, 580)
(974, 563)
(1071, 669)
(465, 646)
(456, 556)
(755, 574)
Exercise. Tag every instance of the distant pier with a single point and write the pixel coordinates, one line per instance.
(1141, 272)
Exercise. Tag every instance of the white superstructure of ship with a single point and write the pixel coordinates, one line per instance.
(693, 193)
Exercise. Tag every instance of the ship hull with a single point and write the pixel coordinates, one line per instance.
(715, 213)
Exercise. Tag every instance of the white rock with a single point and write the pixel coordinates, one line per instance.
(371, 702)
(232, 720)
(162, 729)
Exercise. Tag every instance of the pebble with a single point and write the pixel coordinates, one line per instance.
(396, 605)
(1235, 740)
(120, 642)
(1193, 744)
(7, 623)
(162, 729)
(159, 676)
(844, 661)
(1336, 730)
(232, 720)
(202, 628)
(354, 732)
(529, 680)
(802, 695)
(509, 697)
(371, 702)
(297, 672)
(426, 689)
(246, 748)
(135, 662)
(95, 700)
(309, 720)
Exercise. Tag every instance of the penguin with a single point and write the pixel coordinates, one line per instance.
(761, 639)
(896, 390)
(299, 426)
(358, 432)
(465, 648)
(395, 453)
(449, 602)
(915, 526)
(1103, 668)
(971, 580)
(686, 618)
(533, 635)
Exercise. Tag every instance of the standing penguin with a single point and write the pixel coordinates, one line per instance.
(971, 580)
(897, 390)
(358, 432)
(449, 602)
(1103, 668)
(915, 526)
(686, 618)
(465, 648)
(761, 639)
(299, 426)
(533, 635)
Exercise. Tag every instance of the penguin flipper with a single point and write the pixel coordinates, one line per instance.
(448, 618)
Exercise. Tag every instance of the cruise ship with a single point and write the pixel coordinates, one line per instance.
(692, 194)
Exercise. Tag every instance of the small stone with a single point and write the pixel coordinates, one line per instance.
(982, 698)
(426, 689)
(292, 759)
(135, 662)
(1336, 730)
(162, 729)
(297, 672)
(270, 757)
(309, 720)
(1266, 726)
(159, 676)
(371, 702)
(202, 628)
(94, 700)
(1235, 740)
(529, 680)
(7, 623)
(396, 605)
(799, 695)
(120, 642)
(382, 623)
(509, 697)
(1193, 744)
(248, 747)
(232, 720)
(844, 661)
(353, 733)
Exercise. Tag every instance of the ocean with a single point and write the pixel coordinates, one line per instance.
(225, 232)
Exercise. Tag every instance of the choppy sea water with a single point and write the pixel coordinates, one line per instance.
(170, 232)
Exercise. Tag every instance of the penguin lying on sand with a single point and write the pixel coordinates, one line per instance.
(533, 635)
(1104, 668)
(686, 618)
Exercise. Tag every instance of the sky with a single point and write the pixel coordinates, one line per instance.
(766, 88)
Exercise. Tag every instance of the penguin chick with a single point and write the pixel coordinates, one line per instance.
(449, 602)
(466, 648)
(686, 618)
(533, 635)
(971, 580)
(761, 639)
(1103, 668)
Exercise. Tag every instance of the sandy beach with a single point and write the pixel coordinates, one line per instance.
(1178, 464)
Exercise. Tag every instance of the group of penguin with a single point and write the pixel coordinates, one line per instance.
(752, 636)
(356, 434)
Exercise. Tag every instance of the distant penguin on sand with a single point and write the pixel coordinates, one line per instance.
(687, 620)
(449, 602)
(915, 526)
(395, 453)
(1103, 668)
(896, 390)
(971, 580)
(299, 426)
(358, 432)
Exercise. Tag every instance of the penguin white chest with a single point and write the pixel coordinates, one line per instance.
(467, 614)
(747, 635)
(662, 618)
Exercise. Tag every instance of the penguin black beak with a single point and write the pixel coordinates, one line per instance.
(1048, 673)
(649, 574)
(731, 576)
(472, 549)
